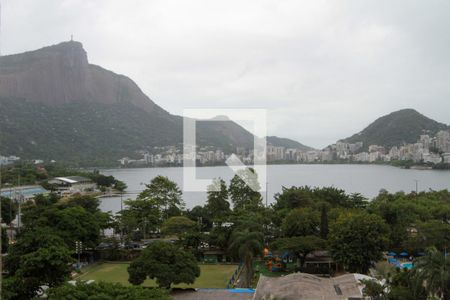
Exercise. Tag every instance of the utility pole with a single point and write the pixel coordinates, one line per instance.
(417, 186)
(19, 200)
(121, 200)
(267, 193)
(1, 254)
(0, 30)
(121, 219)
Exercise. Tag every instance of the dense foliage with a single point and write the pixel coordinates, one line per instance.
(88, 133)
(39, 257)
(303, 221)
(42, 252)
(9, 210)
(160, 200)
(75, 219)
(357, 239)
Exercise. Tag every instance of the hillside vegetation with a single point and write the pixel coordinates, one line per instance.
(397, 128)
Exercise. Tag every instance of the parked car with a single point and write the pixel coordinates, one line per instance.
(132, 245)
(104, 245)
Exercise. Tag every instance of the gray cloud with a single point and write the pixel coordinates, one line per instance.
(323, 69)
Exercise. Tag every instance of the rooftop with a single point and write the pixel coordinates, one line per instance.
(72, 179)
(309, 287)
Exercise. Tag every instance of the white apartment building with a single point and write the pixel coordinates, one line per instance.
(275, 153)
(446, 157)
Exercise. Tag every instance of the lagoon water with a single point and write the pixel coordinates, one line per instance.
(367, 180)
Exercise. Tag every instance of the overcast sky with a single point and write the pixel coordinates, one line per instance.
(323, 69)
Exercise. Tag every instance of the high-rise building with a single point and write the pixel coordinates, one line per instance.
(443, 140)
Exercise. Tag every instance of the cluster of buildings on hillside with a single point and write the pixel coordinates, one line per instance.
(168, 156)
(427, 149)
(9, 160)
(173, 156)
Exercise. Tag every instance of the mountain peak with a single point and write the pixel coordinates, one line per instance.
(406, 111)
(70, 50)
(66, 45)
(54, 75)
(221, 118)
(397, 128)
(61, 74)
(410, 110)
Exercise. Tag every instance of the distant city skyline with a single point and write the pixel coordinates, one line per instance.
(324, 70)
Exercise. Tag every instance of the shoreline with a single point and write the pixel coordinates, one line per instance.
(409, 167)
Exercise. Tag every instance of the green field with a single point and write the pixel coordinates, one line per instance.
(211, 276)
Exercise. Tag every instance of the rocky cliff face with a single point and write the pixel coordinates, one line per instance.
(61, 74)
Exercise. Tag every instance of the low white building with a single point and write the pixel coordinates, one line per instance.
(73, 184)
(431, 158)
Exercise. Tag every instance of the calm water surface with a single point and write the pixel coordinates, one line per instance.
(364, 179)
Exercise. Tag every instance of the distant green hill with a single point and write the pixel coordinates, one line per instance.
(397, 128)
(91, 133)
(287, 143)
(81, 132)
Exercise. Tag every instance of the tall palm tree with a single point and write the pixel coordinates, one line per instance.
(248, 245)
(434, 269)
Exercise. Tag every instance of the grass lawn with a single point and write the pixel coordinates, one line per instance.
(211, 276)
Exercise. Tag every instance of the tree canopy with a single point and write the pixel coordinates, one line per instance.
(242, 195)
(39, 257)
(217, 204)
(73, 219)
(177, 226)
(166, 263)
(357, 239)
(303, 221)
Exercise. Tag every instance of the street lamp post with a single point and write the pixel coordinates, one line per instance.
(78, 249)
(145, 229)
(121, 219)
